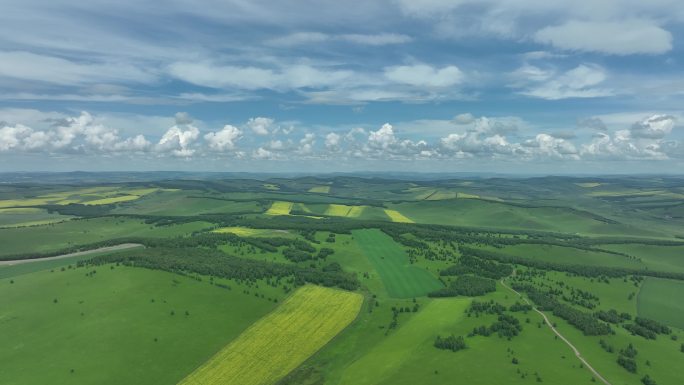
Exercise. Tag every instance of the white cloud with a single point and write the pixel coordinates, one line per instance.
(49, 69)
(580, 82)
(306, 143)
(291, 77)
(305, 38)
(223, 140)
(332, 141)
(653, 127)
(623, 37)
(260, 125)
(465, 118)
(178, 140)
(423, 75)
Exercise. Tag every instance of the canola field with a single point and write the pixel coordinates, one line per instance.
(278, 343)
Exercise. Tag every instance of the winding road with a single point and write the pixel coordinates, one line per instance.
(122, 246)
(574, 349)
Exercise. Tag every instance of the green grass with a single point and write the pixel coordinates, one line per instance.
(663, 258)
(78, 232)
(32, 267)
(391, 262)
(181, 203)
(490, 214)
(662, 300)
(568, 255)
(104, 327)
(29, 217)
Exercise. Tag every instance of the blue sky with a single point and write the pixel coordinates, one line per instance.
(579, 86)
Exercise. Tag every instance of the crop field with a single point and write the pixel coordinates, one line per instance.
(249, 232)
(279, 342)
(662, 300)
(279, 208)
(345, 211)
(115, 326)
(400, 278)
(396, 216)
(59, 236)
(320, 189)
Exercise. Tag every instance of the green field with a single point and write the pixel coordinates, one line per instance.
(29, 216)
(569, 256)
(59, 236)
(662, 300)
(115, 326)
(279, 342)
(400, 278)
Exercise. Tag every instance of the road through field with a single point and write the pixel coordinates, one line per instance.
(122, 246)
(574, 349)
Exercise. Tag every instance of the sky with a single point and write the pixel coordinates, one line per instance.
(509, 86)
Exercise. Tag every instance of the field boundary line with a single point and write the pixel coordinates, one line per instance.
(567, 342)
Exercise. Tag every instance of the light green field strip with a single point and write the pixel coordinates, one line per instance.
(320, 189)
(337, 210)
(279, 208)
(420, 331)
(662, 300)
(588, 184)
(278, 343)
(467, 196)
(401, 279)
(249, 232)
(356, 211)
(396, 216)
(110, 200)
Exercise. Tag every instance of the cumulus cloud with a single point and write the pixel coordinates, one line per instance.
(624, 37)
(223, 140)
(260, 125)
(653, 127)
(466, 118)
(178, 139)
(423, 75)
(332, 141)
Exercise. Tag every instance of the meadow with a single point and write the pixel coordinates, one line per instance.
(118, 325)
(342, 280)
(401, 280)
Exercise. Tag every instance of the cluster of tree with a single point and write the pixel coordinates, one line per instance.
(470, 264)
(518, 306)
(647, 328)
(490, 307)
(451, 342)
(626, 358)
(647, 380)
(581, 270)
(215, 263)
(330, 238)
(506, 326)
(606, 346)
(466, 285)
(85, 211)
(612, 316)
(587, 323)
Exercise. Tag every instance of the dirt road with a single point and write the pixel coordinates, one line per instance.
(122, 246)
(574, 349)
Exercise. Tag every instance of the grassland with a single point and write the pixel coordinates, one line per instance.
(662, 300)
(279, 342)
(392, 264)
(279, 208)
(396, 216)
(59, 236)
(115, 326)
(569, 256)
(29, 216)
